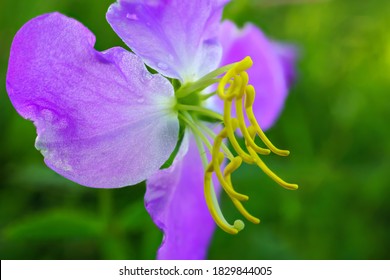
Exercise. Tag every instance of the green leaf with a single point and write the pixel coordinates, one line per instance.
(133, 217)
(39, 176)
(116, 249)
(56, 224)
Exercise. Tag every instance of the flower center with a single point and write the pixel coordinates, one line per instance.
(234, 90)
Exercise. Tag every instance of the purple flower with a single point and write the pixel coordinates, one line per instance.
(104, 121)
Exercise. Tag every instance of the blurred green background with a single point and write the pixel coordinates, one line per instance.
(334, 123)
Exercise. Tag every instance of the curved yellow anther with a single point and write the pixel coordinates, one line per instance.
(230, 133)
(213, 205)
(241, 208)
(229, 93)
(265, 168)
(244, 82)
(237, 87)
(234, 123)
(249, 96)
(241, 66)
(233, 165)
(244, 212)
(249, 99)
(210, 167)
(234, 85)
(216, 154)
(229, 169)
(221, 157)
(244, 130)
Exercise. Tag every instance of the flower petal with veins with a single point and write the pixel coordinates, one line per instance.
(175, 201)
(177, 38)
(102, 119)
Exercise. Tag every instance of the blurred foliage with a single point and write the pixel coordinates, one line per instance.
(334, 122)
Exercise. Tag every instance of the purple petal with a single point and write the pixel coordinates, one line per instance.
(176, 203)
(267, 74)
(102, 120)
(288, 56)
(177, 38)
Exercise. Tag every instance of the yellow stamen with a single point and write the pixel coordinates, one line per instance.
(241, 120)
(216, 168)
(265, 168)
(229, 169)
(211, 198)
(213, 206)
(241, 208)
(233, 165)
(233, 87)
(231, 125)
(211, 133)
(249, 99)
(241, 66)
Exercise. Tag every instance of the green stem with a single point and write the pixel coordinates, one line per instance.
(105, 205)
(203, 156)
(201, 110)
(214, 135)
(204, 82)
(207, 96)
(188, 120)
(217, 72)
(187, 89)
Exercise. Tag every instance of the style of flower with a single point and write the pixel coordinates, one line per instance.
(104, 121)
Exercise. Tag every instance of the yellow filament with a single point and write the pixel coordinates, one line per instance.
(216, 154)
(241, 66)
(234, 86)
(210, 196)
(249, 99)
(229, 169)
(241, 208)
(188, 120)
(233, 165)
(213, 206)
(229, 94)
(244, 130)
(245, 79)
(211, 133)
(231, 126)
(265, 168)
